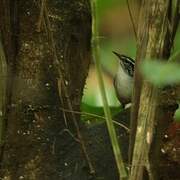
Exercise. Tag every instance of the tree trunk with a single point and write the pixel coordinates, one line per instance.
(51, 43)
(154, 107)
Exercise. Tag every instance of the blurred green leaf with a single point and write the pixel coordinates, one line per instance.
(177, 115)
(92, 111)
(102, 6)
(92, 94)
(160, 73)
(98, 110)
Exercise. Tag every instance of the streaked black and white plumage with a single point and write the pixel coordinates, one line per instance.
(123, 81)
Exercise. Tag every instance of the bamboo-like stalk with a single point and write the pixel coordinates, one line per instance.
(152, 110)
(95, 44)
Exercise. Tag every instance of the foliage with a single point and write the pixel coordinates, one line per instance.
(96, 111)
(160, 73)
(177, 115)
(163, 73)
(102, 6)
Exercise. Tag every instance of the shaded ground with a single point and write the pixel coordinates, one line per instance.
(64, 159)
(74, 167)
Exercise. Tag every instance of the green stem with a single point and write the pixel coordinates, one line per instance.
(114, 141)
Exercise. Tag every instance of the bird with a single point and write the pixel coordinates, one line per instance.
(123, 80)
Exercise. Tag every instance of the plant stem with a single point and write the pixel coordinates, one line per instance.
(95, 44)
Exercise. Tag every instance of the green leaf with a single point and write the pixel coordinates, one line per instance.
(177, 115)
(95, 111)
(98, 110)
(161, 73)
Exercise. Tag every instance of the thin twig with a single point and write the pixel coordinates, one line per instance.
(71, 134)
(60, 95)
(132, 21)
(41, 17)
(97, 116)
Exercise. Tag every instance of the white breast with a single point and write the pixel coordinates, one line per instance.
(124, 84)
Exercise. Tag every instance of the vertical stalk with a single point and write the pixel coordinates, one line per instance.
(152, 111)
(113, 137)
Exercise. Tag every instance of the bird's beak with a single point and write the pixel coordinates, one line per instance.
(118, 55)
